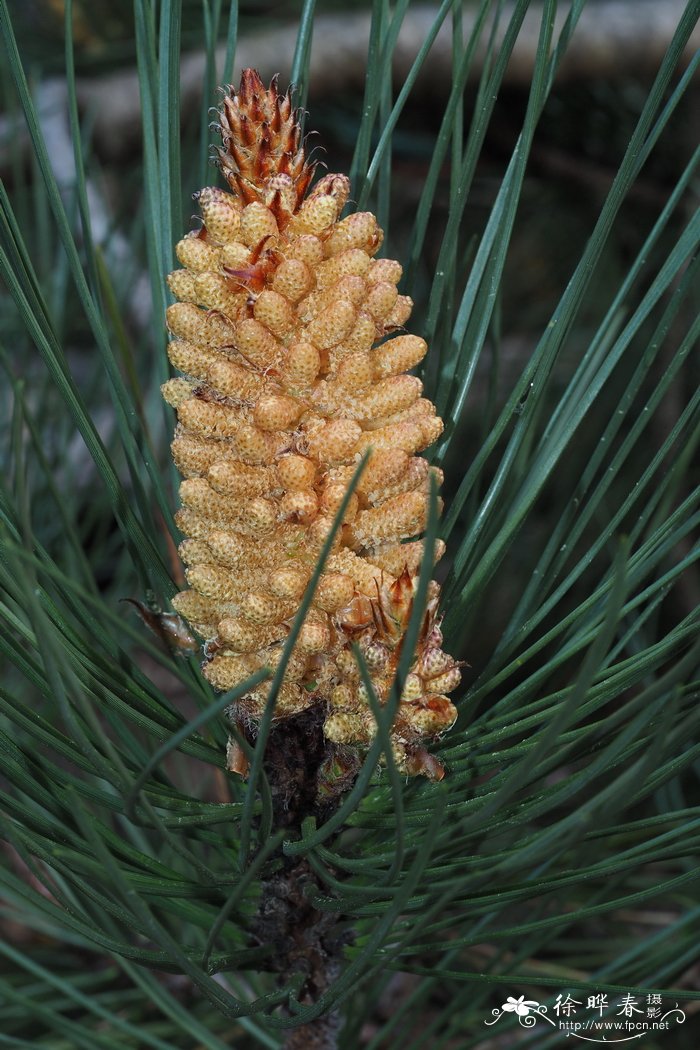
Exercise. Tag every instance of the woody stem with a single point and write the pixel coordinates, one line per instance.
(305, 939)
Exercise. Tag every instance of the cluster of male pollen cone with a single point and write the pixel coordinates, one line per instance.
(283, 389)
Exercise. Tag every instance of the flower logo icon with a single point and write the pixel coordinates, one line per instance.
(528, 1011)
(520, 1006)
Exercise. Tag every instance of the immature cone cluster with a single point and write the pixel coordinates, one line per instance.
(283, 388)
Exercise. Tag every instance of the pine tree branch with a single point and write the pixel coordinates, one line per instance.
(306, 940)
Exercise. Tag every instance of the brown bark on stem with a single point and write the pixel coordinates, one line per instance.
(305, 939)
